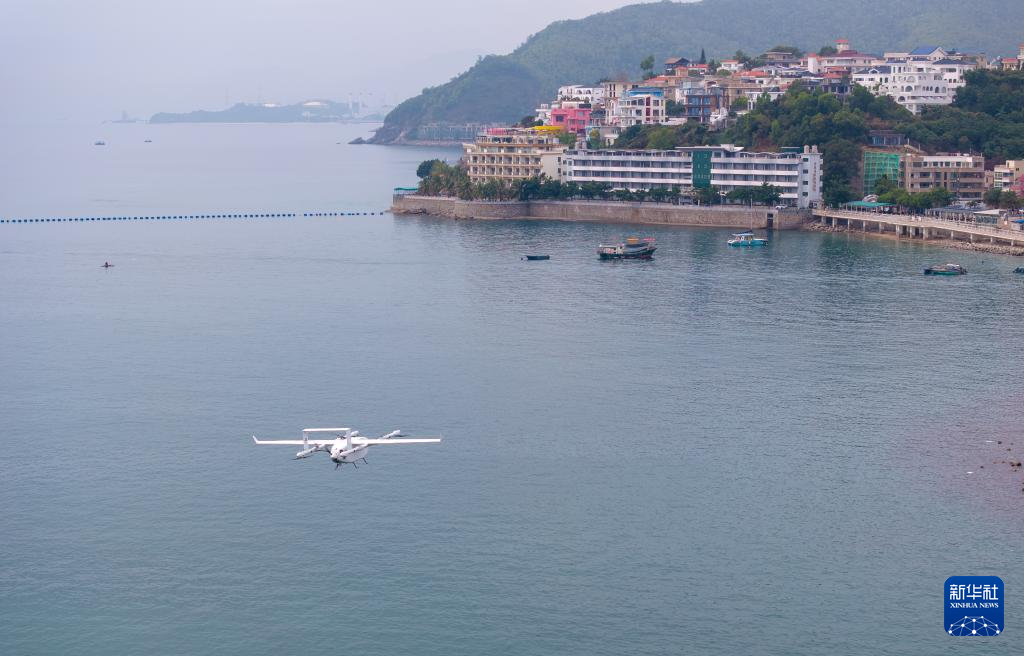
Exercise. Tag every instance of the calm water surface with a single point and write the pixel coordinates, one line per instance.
(716, 452)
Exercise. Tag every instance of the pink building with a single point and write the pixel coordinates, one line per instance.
(571, 119)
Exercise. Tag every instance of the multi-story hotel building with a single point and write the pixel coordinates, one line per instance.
(513, 154)
(962, 175)
(796, 173)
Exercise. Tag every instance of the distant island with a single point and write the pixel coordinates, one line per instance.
(309, 111)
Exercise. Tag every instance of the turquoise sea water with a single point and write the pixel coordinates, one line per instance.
(716, 452)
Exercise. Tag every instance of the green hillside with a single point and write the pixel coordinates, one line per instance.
(504, 88)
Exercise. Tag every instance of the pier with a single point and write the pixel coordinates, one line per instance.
(918, 226)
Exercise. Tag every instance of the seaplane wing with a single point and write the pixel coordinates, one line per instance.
(292, 442)
(418, 440)
(355, 440)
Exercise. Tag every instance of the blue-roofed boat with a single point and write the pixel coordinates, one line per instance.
(746, 240)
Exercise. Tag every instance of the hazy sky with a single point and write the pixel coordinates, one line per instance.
(93, 58)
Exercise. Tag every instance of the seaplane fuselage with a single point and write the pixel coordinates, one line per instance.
(351, 455)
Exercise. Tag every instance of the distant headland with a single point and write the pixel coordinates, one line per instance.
(309, 111)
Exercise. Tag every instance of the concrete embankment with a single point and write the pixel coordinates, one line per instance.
(604, 212)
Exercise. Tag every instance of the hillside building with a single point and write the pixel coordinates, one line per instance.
(572, 117)
(639, 106)
(1009, 176)
(508, 154)
(916, 84)
(796, 173)
(962, 175)
(878, 165)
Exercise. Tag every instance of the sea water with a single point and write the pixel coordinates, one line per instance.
(783, 450)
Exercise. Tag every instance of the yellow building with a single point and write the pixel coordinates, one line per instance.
(508, 154)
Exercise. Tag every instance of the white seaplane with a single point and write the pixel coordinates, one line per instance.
(346, 446)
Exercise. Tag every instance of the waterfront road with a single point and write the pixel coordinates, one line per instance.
(925, 227)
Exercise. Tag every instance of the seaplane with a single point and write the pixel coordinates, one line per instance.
(344, 446)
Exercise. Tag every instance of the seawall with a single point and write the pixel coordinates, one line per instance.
(747, 218)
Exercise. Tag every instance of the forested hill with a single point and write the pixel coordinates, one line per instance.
(504, 88)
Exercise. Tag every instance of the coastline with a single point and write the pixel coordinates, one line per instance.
(944, 242)
(638, 213)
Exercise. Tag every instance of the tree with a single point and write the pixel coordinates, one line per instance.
(529, 121)
(884, 186)
(446, 180)
(992, 197)
(740, 104)
(793, 50)
(647, 66)
(741, 195)
(707, 195)
(423, 170)
(660, 194)
(766, 194)
(662, 138)
(827, 51)
(1010, 201)
(703, 59)
(840, 165)
(567, 138)
(594, 139)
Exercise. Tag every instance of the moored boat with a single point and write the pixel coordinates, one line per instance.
(536, 257)
(633, 248)
(1019, 270)
(945, 270)
(746, 239)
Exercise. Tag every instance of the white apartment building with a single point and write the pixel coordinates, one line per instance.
(581, 93)
(637, 107)
(543, 113)
(873, 78)
(796, 173)
(915, 84)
